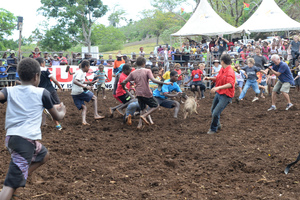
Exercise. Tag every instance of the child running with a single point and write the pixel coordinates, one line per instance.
(251, 76)
(81, 92)
(22, 125)
(101, 76)
(144, 95)
(45, 82)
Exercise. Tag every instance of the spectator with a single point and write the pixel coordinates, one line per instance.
(118, 62)
(63, 60)
(266, 50)
(212, 43)
(159, 49)
(142, 53)
(12, 68)
(3, 74)
(259, 59)
(47, 59)
(222, 43)
(295, 46)
(36, 53)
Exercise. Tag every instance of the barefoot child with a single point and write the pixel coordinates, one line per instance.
(144, 95)
(101, 76)
(22, 124)
(81, 92)
(45, 82)
(196, 83)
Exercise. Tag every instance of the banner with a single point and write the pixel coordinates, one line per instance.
(65, 78)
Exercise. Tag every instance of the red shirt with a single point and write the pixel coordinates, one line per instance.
(120, 91)
(179, 72)
(196, 74)
(229, 44)
(226, 76)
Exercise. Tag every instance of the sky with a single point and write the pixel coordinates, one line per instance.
(32, 19)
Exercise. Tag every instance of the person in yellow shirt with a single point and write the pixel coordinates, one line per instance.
(166, 75)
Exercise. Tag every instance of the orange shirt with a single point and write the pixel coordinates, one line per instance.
(118, 63)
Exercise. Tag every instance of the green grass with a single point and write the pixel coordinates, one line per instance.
(128, 49)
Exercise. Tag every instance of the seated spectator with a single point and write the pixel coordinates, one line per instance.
(36, 53)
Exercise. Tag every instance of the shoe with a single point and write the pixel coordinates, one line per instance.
(289, 106)
(220, 127)
(48, 115)
(272, 108)
(58, 127)
(237, 100)
(255, 99)
(203, 97)
(210, 132)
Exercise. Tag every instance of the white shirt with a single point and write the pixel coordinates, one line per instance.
(79, 76)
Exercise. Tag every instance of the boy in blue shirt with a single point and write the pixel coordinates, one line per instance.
(22, 124)
(166, 91)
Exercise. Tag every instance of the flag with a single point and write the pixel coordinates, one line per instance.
(181, 11)
(246, 6)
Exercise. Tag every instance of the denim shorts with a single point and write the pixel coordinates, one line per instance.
(81, 98)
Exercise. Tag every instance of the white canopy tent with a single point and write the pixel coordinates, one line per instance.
(205, 21)
(269, 18)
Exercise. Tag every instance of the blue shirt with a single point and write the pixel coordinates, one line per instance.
(167, 89)
(101, 76)
(286, 74)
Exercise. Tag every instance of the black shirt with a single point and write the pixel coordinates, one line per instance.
(45, 80)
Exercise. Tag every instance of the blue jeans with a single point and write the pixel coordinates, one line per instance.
(219, 104)
(249, 83)
(132, 108)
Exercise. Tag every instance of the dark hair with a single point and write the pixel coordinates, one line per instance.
(85, 63)
(154, 69)
(173, 73)
(40, 60)
(28, 68)
(140, 61)
(226, 59)
(125, 67)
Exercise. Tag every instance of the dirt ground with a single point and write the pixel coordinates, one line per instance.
(173, 159)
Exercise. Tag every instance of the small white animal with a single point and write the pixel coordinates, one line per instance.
(190, 106)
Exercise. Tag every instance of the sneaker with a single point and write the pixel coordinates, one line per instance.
(48, 115)
(255, 99)
(288, 106)
(203, 97)
(210, 132)
(58, 127)
(272, 108)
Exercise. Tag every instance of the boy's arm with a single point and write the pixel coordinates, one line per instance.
(56, 82)
(57, 111)
(3, 95)
(160, 82)
(107, 77)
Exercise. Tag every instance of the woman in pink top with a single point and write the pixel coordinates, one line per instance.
(266, 50)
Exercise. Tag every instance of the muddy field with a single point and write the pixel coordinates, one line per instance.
(173, 159)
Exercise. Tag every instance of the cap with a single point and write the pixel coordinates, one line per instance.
(216, 61)
(12, 51)
(119, 55)
(55, 55)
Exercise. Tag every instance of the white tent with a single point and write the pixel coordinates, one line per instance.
(268, 18)
(205, 21)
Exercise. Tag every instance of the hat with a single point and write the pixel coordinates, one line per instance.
(100, 55)
(55, 55)
(124, 55)
(119, 55)
(12, 52)
(216, 61)
(45, 52)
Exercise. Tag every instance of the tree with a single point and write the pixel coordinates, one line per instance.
(116, 16)
(167, 5)
(8, 22)
(107, 38)
(75, 16)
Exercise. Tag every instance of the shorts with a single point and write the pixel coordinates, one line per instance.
(117, 98)
(263, 83)
(197, 83)
(282, 87)
(166, 103)
(124, 98)
(240, 84)
(3, 81)
(100, 86)
(179, 83)
(54, 97)
(297, 82)
(143, 101)
(81, 98)
(23, 152)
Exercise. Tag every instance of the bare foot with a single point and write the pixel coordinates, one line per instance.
(140, 126)
(85, 124)
(104, 97)
(98, 117)
(120, 112)
(145, 120)
(129, 121)
(111, 111)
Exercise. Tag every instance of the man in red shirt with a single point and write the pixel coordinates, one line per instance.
(224, 90)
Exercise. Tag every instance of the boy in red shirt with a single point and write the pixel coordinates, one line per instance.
(178, 70)
(143, 92)
(224, 90)
(197, 84)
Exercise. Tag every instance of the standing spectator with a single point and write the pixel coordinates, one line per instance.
(118, 62)
(47, 59)
(295, 46)
(224, 92)
(36, 53)
(12, 68)
(259, 59)
(3, 74)
(266, 50)
(142, 52)
(285, 80)
(212, 43)
(63, 60)
(222, 43)
(55, 61)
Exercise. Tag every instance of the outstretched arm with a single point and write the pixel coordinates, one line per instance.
(56, 82)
